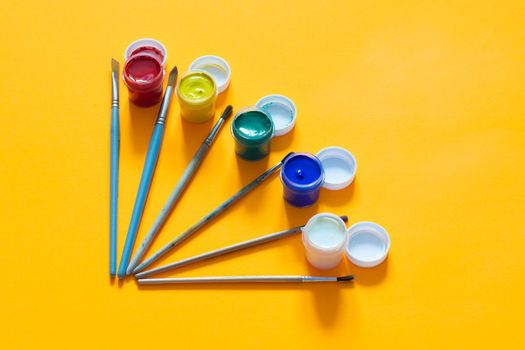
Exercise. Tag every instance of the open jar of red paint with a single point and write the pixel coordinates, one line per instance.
(148, 45)
(144, 71)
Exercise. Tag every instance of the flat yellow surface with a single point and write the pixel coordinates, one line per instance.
(428, 95)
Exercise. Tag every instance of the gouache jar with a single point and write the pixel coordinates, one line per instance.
(143, 74)
(197, 94)
(302, 176)
(252, 130)
(324, 240)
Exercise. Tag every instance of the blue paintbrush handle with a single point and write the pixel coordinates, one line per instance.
(145, 182)
(113, 201)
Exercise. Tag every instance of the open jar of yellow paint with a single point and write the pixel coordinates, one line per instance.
(197, 93)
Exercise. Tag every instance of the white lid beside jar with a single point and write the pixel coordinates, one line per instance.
(282, 110)
(339, 166)
(368, 244)
(216, 67)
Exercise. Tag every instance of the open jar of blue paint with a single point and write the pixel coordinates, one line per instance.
(304, 174)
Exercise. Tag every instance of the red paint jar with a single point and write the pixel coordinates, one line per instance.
(152, 46)
(144, 74)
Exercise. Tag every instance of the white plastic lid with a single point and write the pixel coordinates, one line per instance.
(147, 42)
(368, 244)
(282, 110)
(216, 67)
(339, 166)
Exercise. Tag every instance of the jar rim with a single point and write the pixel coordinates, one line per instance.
(196, 102)
(302, 187)
(143, 85)
(251, 140)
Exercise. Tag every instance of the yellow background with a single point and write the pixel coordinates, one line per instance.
(428, 95)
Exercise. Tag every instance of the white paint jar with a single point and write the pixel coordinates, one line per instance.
(324, 240)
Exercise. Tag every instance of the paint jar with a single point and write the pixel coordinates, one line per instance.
(252, 130)
(368, 244)
(303, 174)
(151, 46)
(324, 239)
(216, 67)
(143, 74)
(197, 94)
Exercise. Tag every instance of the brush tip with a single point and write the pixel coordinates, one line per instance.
(344, 218)
(114, 65)
(173, 76)
(345, 278)
(287, 156)
(227, 112)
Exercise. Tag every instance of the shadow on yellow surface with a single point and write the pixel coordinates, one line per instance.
(282, 143)
(249, 170)
(338, 198)
(194, 134)
(369, 276)
(141, 124)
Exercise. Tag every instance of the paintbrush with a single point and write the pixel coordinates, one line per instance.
(188, 173)
(245, 279)
(226, 250)
(114, 159)
(207, 218)
(147, 173)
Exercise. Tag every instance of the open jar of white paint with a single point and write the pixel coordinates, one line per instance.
(324, 239)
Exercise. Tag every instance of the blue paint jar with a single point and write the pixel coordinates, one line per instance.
(302, 176)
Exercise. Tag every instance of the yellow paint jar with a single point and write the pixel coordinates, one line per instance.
(197, 93)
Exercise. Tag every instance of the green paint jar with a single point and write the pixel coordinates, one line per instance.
(252, 130)
(197, 93)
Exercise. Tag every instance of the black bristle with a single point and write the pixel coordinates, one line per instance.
(227, 112)
(345, 278)
(344, 218)
(286, 157)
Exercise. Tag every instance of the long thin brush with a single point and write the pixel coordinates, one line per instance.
(114, 160)
(190, 170)
(226, 250)
(245, 279)
(147, 173)
(207, 218)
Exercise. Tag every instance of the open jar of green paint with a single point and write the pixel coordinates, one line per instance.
(252, 129)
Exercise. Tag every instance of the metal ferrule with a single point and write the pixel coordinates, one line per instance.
(114, 90)
(213, 133)
(163, 112)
